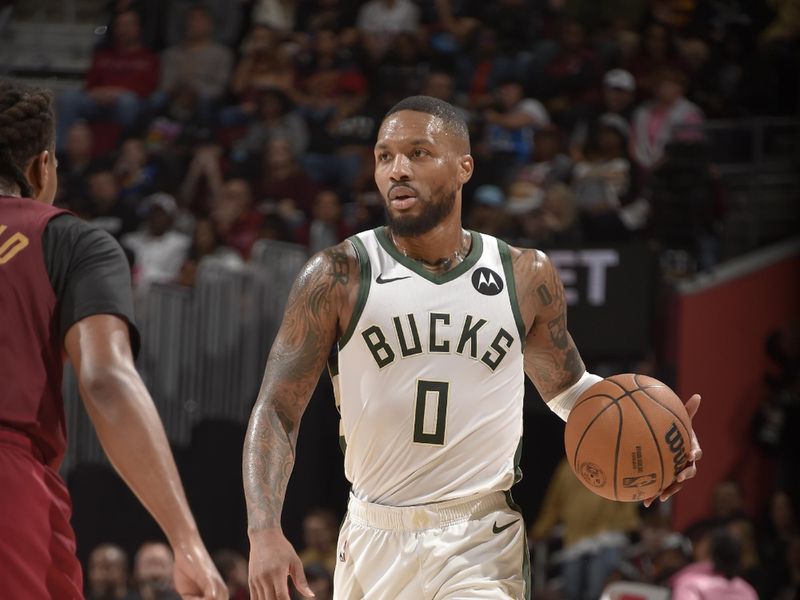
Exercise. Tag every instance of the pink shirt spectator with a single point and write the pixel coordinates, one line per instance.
(699, 582)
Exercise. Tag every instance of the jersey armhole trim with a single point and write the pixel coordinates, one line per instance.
(508, 269)
(365, 278)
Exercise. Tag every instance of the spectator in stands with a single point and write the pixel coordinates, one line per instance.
(510, 127)
(198, 65)
(153, 573)
(791, 590)
(206, 245)
(380, 20)
(136, 170)
(481, 69)
(776, 533)
(668, 117)
(605, 186)
(104, 205)
(571, 78)
(487, 213)
(118, 82)
(107, 575)
(236, 219)
(319, 537)
(282, 178)
(699, 536)
(549, 164)
(278, 15)
(74, 163)
(331, 89)
(618, 97)
(327, 226)
(320, 580)
(276, 119)
(751, 569)
(265, 65)
(728, 500)
(203, 181)
(720, 581)
(658, 52)
(595, 532)
(232, 566)
(159, 251)
(658, 552)
(337, 15)
(516, 23)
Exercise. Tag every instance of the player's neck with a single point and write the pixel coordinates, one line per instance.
(439, 249)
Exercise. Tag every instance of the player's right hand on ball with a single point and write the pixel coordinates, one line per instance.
(272, 562)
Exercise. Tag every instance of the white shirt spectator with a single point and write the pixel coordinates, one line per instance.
(388, 16)
(158, 259)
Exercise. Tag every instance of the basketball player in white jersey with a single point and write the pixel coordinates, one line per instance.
(433, 329)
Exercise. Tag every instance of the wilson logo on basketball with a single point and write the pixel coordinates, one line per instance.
(677, 447)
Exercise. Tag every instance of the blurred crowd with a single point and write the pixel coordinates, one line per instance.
(204, 127)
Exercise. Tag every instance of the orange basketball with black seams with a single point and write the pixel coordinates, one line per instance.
(627, 437)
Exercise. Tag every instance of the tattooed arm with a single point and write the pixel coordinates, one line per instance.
(319, 304)
(551, 359)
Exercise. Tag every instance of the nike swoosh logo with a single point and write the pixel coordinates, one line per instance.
(380, 279)
(496, 529)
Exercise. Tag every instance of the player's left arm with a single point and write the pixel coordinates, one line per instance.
(552, 361)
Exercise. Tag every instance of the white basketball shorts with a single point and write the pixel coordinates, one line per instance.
(461, 549)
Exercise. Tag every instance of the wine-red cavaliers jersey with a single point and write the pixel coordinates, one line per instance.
(55, 270)
(31, 362)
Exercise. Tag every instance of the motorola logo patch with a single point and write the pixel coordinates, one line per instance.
(487, 282)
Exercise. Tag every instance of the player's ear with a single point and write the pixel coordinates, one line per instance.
(466, 165)
(40, 169)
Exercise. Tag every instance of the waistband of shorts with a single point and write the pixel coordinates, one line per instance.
(424, 516)
(12, 437)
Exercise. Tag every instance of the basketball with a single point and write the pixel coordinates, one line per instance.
(627, 437)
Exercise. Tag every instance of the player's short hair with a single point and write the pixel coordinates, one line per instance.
(27, 127)
(452, 118)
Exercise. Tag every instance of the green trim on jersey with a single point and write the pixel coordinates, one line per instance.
(474, 255)
(365, 278)
(333, 365)
(508, 269)
(526, 557)
(517, 458)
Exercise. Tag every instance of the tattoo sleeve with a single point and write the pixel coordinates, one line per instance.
(551, 359)
(305, 338)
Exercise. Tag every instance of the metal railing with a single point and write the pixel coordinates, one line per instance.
(203, 348)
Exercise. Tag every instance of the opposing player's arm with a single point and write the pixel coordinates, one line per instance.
(131, 433)
(318, 304)
(552, 361)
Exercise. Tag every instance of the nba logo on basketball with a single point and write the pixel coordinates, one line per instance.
(677, 446)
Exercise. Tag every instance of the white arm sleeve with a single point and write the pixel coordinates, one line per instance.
(563, 403)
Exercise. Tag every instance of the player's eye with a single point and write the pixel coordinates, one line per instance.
(383, 156)
(419, 153)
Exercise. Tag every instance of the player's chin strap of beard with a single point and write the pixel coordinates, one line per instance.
(563, 403)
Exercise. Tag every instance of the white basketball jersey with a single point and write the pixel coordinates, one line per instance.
(429, 376)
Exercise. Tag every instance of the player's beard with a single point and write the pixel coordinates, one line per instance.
(430, 216)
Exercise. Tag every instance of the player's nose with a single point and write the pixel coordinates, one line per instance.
(401, 168)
